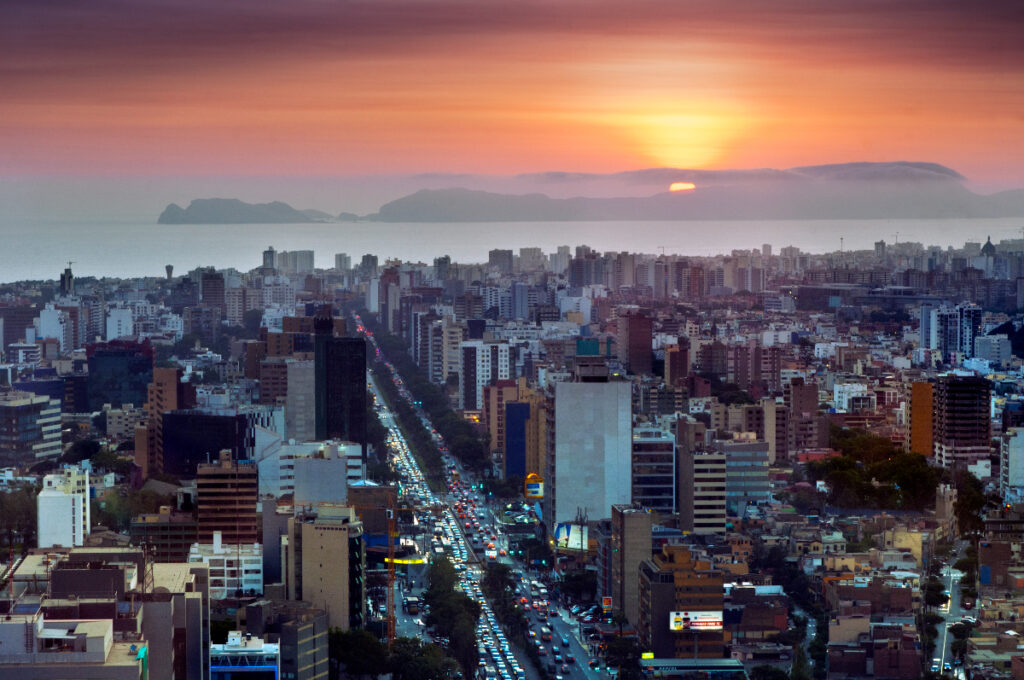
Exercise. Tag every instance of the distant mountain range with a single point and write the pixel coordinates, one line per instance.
(896, 190)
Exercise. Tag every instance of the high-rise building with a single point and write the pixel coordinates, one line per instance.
(701, 480)
(677, 362)
(300, 409)
(501, 260)
(630, 546)
(1011, 465)
(677, 587)
(482, 363)
(589, 447)
(235, 570)
(120, 372)
(746, 474)
(920, 414)
(340, 386)
(342, 261)
(635, 333)
(211, 290)
(63, 508)
(654, 470)
(29, 427)
(963, 426)
(325, 564)
(227, 493)
(495, 398)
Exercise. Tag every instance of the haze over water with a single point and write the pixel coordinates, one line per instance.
(40, 250)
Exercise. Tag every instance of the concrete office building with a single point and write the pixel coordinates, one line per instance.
(589, 447)
(244, 657)
(654, 473)
(226, 496)
(482, 363)
(299, 630)
(325, 564)
(136, 610)
(339, 385)
(299, 410)
(29, 428)
(746, 474)
(962, 422)
(920, 419)
(676, 580)
(63, 508)
(630, 545)
(235, 570)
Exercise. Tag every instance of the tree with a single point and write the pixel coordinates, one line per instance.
(80, 451)
(623, 653)
(766, 672)
(934, 595)
(359, 651)
(800, 670)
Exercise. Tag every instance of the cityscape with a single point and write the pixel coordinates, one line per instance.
(549, 464)
(547, 340)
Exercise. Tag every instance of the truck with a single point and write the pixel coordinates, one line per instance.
(412, 605)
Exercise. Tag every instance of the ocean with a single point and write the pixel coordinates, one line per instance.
(42, 250)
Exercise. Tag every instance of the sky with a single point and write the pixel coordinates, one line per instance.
(324, 88)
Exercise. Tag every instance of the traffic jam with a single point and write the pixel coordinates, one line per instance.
(465, 530)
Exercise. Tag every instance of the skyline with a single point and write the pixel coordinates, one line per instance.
(317, 89)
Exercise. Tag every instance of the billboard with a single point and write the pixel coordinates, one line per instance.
(695, 620)
(533, 486)
(571, 536)
(606, 604)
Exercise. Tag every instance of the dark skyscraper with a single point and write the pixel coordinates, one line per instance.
(340, 385)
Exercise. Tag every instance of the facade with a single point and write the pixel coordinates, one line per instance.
(300, 411)
(166, 393)
(244, 657)
(120, 372)
(482, 363)
(325, 564)
(226, 496)
(166, 535)
(300, 631)
(63, 509)
(29, 428)
(963, 426)
(654, 473)
(676, 580)
(235, 570)
(590, 450)
(702, 500)
(634, 342)
(1011, 465)
(630, 545)
(920, 423)
(340, 386)
(746, 474)
(194, 437)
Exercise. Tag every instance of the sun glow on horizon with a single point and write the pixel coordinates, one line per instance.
(682, 186)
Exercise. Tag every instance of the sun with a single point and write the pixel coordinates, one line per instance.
(682, 186)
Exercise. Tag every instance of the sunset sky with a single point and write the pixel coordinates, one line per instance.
(350, 87)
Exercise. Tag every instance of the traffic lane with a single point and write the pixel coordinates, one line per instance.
(570, 629)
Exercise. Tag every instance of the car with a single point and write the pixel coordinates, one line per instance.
(569, 658)
(947, 666)
(565, 640)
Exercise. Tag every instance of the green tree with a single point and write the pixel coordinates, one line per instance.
(358, 651)
(801, 670)
(934, 595)
(623, 653)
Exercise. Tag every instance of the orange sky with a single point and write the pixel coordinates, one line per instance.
(320, 87)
